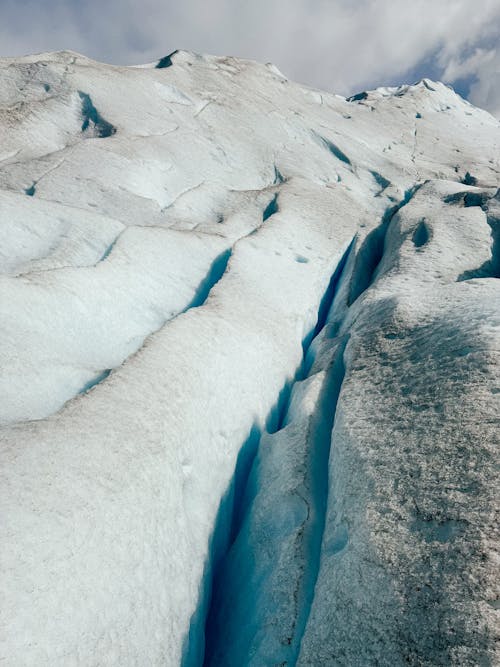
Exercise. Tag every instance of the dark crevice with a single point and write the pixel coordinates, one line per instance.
(327, 300)
(278, 176)
(358, 97)
(233, 507)
(476, 199)
(308, 531)
(194, 649)
(468, 199)
(100, 377)
(369, 257)
(166, 61)
(372, 250)
(271, 208)
(494, 223)
(381, 181)
(468, 179)
(109, 249)
(334, 150)
(421, 234)
(320, 448)
(215, 273)
(93, 123)
(317, 461)
(31, 190)
(455, 198)
(277, 416)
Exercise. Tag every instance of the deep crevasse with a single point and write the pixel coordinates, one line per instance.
(264, 585)
(235, 593)
(265, 597)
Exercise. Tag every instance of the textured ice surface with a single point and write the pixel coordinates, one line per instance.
(249, 352)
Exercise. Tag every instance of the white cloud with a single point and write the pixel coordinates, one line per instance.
(486, 91)
(340, 45)
(482, 67)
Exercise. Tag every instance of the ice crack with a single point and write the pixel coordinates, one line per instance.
(314, 500)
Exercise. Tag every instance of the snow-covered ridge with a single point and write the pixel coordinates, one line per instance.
(250, 368)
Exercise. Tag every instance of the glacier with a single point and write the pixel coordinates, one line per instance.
(250, 351)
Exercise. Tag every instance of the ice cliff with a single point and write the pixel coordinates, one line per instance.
(250, 353)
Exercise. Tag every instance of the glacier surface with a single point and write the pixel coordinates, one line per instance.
(250, 340)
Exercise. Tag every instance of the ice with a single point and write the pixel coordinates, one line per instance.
(249, 351)
(409, 520)
(201, 382)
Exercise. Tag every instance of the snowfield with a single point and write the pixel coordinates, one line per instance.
(250, 353)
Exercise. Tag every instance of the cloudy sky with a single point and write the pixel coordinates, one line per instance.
(339, 45)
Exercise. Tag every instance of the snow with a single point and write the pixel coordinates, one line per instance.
(249, 343)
